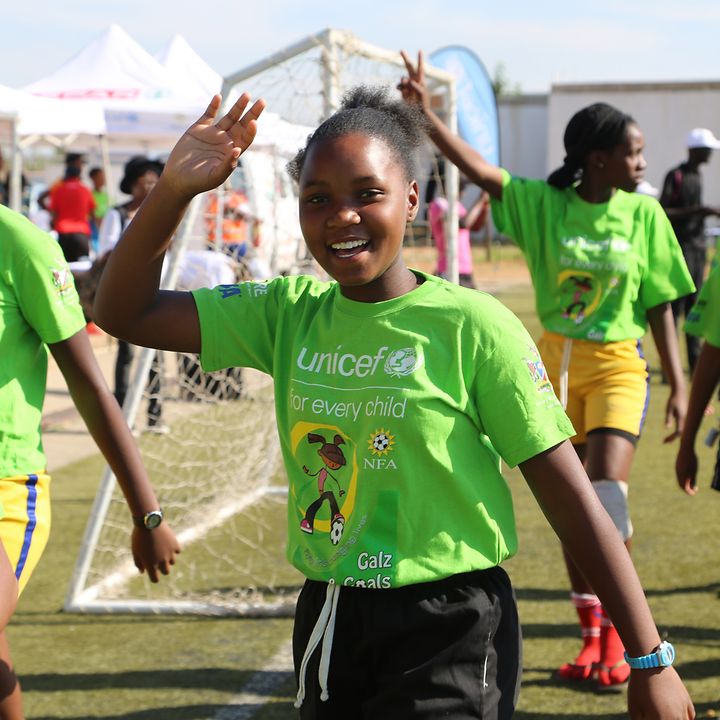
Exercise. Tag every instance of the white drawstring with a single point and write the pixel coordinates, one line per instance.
(564, 372)
(324, 630)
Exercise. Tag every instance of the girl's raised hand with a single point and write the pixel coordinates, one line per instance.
(208, 151)
(412, 86)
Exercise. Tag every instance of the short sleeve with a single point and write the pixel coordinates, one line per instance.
(516, 213)
(518, 408)
(666, 275)
(238, 324)
(704, 318)
(45, 289)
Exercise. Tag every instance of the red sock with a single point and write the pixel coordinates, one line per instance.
(588, 610)
(613, 672)
(612, 651)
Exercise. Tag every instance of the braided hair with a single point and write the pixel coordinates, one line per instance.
(371, 111)
(596, 127)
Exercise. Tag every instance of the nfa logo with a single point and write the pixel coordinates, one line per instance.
(381, 442)
(397, 363)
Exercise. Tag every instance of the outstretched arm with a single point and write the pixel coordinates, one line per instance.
(129, 303)
(662, 326)
(153, 550)
(455, 149)
(705, 379)
(565, 495)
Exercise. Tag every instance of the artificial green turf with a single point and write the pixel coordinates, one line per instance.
(172, 668)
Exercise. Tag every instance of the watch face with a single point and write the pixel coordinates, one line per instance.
(667, 653)
(153, 519)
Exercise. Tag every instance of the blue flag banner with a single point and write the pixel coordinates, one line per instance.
(477, 112)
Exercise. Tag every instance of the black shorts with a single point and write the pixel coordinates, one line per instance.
(74, 245)
(446, 649)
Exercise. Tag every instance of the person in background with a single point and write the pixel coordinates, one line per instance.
(470, 220)
(683, 202)
(703, 321)
(39, 314)
(140, 176)
(73, 209)
(605, 265)
(100, 195)
(239, 227)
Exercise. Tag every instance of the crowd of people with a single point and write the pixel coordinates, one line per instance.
(436, 633)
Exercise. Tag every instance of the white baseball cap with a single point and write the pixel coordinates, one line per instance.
(702, 138)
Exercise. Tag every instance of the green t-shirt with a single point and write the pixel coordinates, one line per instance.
(102, 202)
(394, 415)
(704, 318)
(38, 305)
(597, 268)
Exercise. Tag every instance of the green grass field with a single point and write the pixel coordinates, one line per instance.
(180, 668)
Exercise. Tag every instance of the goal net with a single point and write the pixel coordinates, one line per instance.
(213, 456)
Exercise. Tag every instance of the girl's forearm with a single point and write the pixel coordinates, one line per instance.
(470, 162)
(664, 332)
(104, 420)
(705, 379)
(566, 497)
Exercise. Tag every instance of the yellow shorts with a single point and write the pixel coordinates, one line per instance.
(608, 383)
(25, 527)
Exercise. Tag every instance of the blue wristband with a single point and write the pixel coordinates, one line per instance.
(662, 656)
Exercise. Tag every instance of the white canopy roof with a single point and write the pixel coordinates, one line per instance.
(142, 100)
(44, 116)
(116, 71)
(198, 79)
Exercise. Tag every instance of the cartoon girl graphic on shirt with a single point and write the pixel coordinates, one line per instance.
(581, 285)
(333, 459)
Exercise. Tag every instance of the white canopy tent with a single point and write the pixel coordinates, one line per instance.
(144, 103)
(26, 119)
(199, 80)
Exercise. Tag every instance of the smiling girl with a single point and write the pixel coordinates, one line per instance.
(406, 612)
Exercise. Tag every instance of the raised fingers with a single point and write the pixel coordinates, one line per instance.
(408, 63)
(243, 132)
(234, 114)
(416, 72)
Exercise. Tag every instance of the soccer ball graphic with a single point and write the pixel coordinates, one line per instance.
(381, 441)
(336, 529)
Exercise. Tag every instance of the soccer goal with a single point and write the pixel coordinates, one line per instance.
(217, 472)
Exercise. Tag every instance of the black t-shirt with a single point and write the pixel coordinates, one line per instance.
(683, 188)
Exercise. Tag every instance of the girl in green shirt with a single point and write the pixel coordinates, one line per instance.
(604, 263)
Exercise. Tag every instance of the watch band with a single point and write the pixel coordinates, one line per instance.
(662, 656)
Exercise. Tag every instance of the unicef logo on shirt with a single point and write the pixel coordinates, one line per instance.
(402, 362)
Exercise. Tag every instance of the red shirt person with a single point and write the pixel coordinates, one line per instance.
(72, 206)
